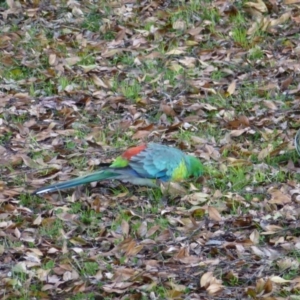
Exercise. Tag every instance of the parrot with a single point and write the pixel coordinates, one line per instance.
(145, 165)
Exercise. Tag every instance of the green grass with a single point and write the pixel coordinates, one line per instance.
(90, 217)
(255, 53)
(5, 137)
(123, 59)
(49, 265)
(83, 296)
(130, 89)
(217, 75)
(89, 269)
(92, 21)
(52, 229)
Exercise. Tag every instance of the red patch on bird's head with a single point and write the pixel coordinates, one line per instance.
(133, 151)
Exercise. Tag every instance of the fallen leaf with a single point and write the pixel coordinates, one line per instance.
(214, 214)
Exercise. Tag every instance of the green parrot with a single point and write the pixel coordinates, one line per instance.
(146, 165)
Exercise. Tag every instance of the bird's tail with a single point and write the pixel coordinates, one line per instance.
(97, 176)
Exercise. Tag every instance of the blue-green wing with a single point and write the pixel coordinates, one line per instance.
(157, 161)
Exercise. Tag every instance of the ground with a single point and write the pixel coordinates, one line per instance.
(81, 81)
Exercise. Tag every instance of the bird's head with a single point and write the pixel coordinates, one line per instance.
(195, 166)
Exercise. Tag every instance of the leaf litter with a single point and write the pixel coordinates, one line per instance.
(82, 81)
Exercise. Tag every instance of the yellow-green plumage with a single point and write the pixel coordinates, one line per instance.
(180, 172)
(119, 162)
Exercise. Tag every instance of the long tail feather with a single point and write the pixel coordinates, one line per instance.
(97, 176)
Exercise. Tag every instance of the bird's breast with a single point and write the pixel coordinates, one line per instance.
(180, 172)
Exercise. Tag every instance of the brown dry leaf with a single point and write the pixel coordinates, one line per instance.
(163, 236)
(133, 251)
(152, 230)
(173, 294)
(52, 59)
(257, 251)
(241, 121)
(265, 152)
(125, 227)
(29, 162)
(38, 220)
(215, 288)
(278, 279)
(189, 62)
(173, 189)
(141, 134)
(288, 263)
(198, 140)
(282, 147)
(179, 25)
(270, 104)
(99, 82)
(233, 162)
(196, 198)
(183, 252)
(14, 8)
(296, 19)
(265, 23)
(238, 132)
(120, 35)
(118, 288)
(208, 106)
(255, 25)
(212, 152)
(111, 52)
(195, 30)
(206, 279)
(271, 229)
(210, 283)
(267, 88)
(287, 2)
(142, 229)
(214, 214)
(282, 19)
(255, 236)
(258, 5)
(168, 110)
(174, 66)
(177, 51)
(278, 197)
(231, 88)
(72, 60)
(153, 55)
(286, 83)
(78, 241)
(127, 244)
